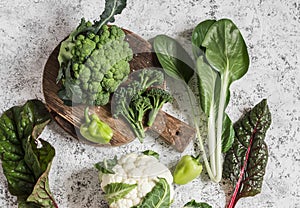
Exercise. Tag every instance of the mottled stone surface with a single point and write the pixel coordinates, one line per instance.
(31, 29)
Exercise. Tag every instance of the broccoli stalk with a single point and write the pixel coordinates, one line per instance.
(131, 107)
(158, 97)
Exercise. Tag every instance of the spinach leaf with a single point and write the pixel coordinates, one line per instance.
(116, 191)
(246, 160)
(158, 197)
(106, 166)
(194, 204)
(23, 163)
(173, 58)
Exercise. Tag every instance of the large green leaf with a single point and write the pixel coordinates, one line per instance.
(116, 191)
(226, 50)
(22, 161)
(198, 36)
(158, 197)
(246, 160)
(173, 58)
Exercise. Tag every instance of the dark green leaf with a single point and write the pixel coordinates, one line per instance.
(246, 160)
(106, 166)
(198, 36)
(194, 204)
(116, 191)
(151, 153)
(158, 197)
(22, 162)
(112, 8)
(173, 58)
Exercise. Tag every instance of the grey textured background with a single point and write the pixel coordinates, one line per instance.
(30, 30)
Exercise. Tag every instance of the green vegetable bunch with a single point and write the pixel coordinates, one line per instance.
(134, 100)
(94, 59)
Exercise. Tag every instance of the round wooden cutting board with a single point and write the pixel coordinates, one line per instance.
(170, 129)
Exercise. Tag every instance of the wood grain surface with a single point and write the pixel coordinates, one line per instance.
(170, 129)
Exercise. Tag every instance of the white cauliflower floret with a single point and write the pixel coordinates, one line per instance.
(137, 169)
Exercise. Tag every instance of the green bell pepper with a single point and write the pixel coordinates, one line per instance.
(187, 169)
(94, 129)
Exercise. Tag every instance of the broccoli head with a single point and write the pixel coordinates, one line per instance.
(98, 61)
(158, 97)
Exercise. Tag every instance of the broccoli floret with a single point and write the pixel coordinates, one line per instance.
(149, 78)
(158, 97)
(131, 102)
(102, 98)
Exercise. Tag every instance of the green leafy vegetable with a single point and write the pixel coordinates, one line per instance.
(94, 129)
(106, 166)
(151, 153)
(116, 191)
(173, 58)
(158, 197)
(129, 102)
(194, 204)
(246, 160)
(24, 164)
(221, 58)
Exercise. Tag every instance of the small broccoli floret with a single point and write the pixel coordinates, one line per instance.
(102, 98)
(158, 97)
(149, 78)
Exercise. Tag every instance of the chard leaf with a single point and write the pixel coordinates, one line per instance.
(23, 162)
(246, 160)
(158, 197)
(194, 204)
(174, 59)
(112, 8)
(41, 193)
(116, 191)
(106, 166)
(198, 36)
(151, 153)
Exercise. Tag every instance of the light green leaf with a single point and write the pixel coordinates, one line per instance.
(158, 197)
(226, 50)
(116, 191)
(174, 59)
(198, 36)
(106, 166)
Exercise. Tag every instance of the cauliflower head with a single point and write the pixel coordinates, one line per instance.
(142, 170)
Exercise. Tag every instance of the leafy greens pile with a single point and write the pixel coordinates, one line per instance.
(25, 165)
(221, 58)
